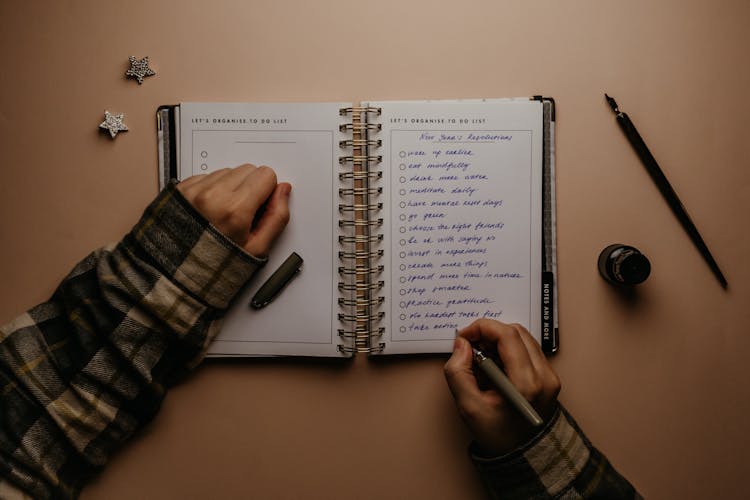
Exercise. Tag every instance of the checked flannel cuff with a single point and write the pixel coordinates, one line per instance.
(559, 462)
(80, 373)
(191, 251)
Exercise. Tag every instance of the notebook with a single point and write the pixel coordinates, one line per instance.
(413, 218)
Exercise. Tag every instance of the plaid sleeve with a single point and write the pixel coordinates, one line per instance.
(559, 462)
(83, 371)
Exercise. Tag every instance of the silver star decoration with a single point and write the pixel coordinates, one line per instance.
(113, 123)
(139, 69)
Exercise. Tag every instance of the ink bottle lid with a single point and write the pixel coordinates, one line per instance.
(623, 265)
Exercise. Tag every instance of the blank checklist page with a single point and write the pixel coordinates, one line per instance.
(300, 141)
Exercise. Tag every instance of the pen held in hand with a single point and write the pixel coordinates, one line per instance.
(506, 387)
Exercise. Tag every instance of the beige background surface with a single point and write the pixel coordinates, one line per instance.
(657, 380)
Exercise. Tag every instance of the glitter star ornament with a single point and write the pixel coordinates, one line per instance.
(113, 123)
(139, 69)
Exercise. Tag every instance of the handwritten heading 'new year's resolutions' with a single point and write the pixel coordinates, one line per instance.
(459, 229)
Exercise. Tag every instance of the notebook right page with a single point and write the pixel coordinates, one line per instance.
(462, 197)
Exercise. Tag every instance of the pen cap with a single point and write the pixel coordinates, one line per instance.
(623, 265)
(278, 280)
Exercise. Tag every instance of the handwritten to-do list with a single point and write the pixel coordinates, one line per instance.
(460, 227)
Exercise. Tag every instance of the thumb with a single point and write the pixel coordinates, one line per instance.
(458, 372)
(271, 223)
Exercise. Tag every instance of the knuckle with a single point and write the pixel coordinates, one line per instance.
(202, 198)
(518, 328)
(484, 323)
(554, 384)
(519, 331)
(448, 370)
(537, 387)
(533, 389)
(267, 172)
(512, 334)
(486, 326)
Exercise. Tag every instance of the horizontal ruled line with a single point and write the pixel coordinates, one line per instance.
(265, 142)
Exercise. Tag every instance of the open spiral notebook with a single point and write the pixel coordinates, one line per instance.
(413, 218)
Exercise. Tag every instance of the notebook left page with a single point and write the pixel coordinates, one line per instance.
(301, 143)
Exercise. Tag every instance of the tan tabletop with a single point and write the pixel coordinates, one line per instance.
(657, 379)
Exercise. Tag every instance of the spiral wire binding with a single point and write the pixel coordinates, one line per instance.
(359, 272)
(355, 302)
(361, 287)
(375, 254)
(360, 160)
(360, 223)
(362, 270)
(360, 208)
(361, 191)
(361, 238)
(357, 143)
(360, 110)
(360, 127)
(357, 176)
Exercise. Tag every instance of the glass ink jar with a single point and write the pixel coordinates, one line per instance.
(623, 265)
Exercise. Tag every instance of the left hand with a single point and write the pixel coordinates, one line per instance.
(231, 198)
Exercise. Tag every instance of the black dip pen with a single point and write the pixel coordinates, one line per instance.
(666, 189)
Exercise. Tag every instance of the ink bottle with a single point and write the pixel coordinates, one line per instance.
(623, 265)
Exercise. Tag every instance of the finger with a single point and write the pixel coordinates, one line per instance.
(191, 186)
(481, 329)
(190, 181)
(459, 374)
(510, 348)
(549, 379)
(216, 186)
(485, 331)
(235, 177)
(211, 179)
(202, 184)
(532, 346)
(271, 223)
(255, 190)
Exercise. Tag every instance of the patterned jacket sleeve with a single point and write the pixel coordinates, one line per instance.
(79, 374)
(559, 462)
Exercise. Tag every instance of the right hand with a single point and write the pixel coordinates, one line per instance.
(231, 198)
(497, 426)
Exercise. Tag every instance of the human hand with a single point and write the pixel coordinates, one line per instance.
(232, 199)
(497, 426)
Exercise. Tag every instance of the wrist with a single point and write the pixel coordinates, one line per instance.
(544, 466)
(484, 449)
(178, 240)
